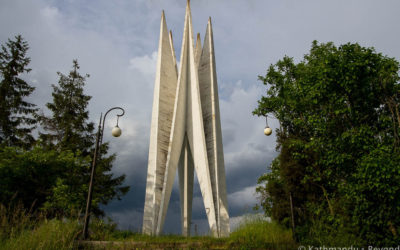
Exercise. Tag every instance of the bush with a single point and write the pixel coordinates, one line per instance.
(259, 233)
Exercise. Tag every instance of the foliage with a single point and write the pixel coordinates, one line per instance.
(46, 179)
(13, 220)
(374, 194)
(29, 176)
(51, 234)
(259, 233)
(22, 229)
(68, 129)
(338, 139)
(252, 233)
(36, 232)
(16, 114)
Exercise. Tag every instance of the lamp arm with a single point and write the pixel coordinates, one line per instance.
(104, 119)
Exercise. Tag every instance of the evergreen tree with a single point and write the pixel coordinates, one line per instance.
(68, 129)
(16, 114)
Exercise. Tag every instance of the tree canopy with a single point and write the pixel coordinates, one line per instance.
(339, 144)
(68, 129)
(16, 113)
(50, 173)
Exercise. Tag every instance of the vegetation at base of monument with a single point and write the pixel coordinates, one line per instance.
(258, 233)
(339, 146)
(49, 174)
(20, 229)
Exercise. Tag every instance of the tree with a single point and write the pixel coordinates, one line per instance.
(16, 114)
(68, 129)
(339, 116)
(29, 176)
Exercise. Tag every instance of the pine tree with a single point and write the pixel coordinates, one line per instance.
(67, 127)
(16, 114)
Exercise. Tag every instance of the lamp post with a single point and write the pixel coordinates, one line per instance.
(116, 132)
(267, 132)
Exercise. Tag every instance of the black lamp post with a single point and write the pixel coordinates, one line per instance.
(116, 132)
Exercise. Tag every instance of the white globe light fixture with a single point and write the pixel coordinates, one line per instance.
(116, 131)
(267, 130)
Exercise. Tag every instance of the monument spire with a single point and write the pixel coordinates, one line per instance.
(163, 101)
(192, 125)
(212, 127)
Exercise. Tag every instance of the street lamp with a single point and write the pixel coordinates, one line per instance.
(116, 132)
(267, 130)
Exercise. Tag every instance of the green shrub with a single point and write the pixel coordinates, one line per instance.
(328, 233)
(259, 233)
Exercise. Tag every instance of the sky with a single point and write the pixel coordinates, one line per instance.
(116, 43)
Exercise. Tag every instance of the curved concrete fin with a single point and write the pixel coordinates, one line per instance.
(163, 104)
(212, 127)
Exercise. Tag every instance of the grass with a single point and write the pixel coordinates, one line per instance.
(258, 233)
(20, 230)
(253, 233)
(52, 234)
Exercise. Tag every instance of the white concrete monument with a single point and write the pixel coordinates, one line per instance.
(186, 133)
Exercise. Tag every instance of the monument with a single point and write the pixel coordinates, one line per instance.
(186, 133)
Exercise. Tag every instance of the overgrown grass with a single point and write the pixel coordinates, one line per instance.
(258, 233)
(254, 232)
(52, 234)
(13, 220)
(326, 233)
(20, 230)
